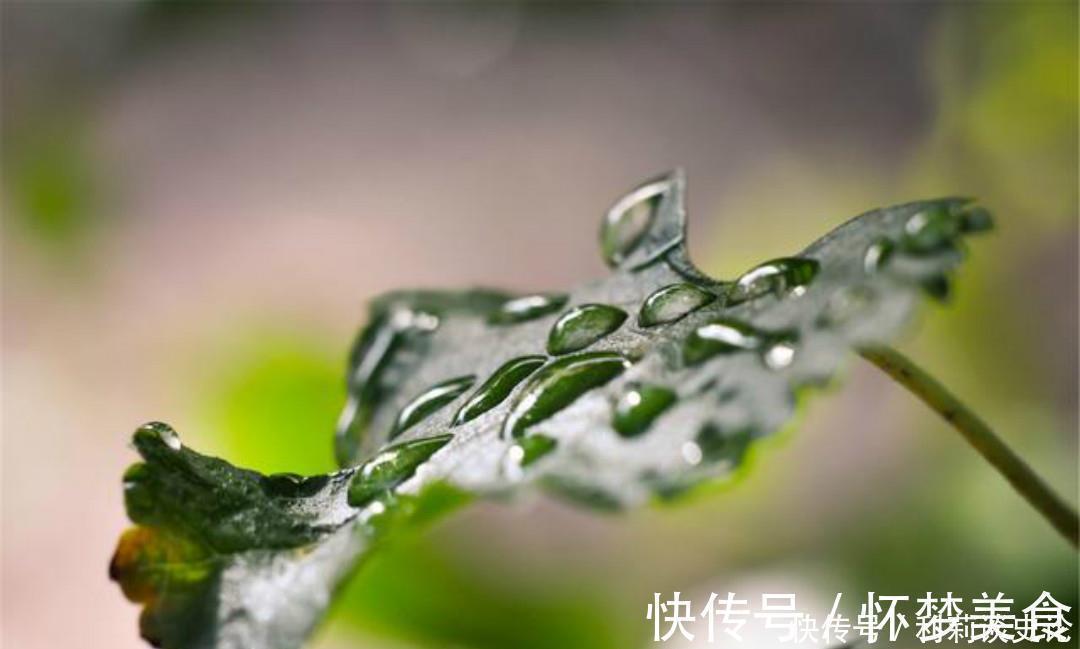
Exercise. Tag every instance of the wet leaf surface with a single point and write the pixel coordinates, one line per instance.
(482, 392)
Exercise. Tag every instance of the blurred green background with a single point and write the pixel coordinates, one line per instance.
(199, 199)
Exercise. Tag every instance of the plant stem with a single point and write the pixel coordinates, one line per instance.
(1028, 483)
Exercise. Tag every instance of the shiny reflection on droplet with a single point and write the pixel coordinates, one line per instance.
(558, 384)
(721, 336)
(877, 254)
(672, 303)
(639, 406)
(775, 276)
(779, 355)
(390, 467)
(429, 402)
(527, 307)
(163, 432)
(691, 452)
(527, 450)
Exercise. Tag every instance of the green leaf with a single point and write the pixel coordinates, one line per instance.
(635, 387)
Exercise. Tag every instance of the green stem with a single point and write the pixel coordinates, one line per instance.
(1033, 488)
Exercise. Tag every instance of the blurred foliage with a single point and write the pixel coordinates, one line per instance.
(51, 181)
(273, 397)
(416, 591)
(1006, 80)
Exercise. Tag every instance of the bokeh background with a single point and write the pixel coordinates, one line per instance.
(200, 199)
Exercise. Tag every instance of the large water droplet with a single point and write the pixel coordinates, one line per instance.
(672, 303)
(582, 326)
(161, 432)
(498, 386)
(774, 276)
(429, 401)
(721, 336)
(626, 223)
(558, 384)
(931, 229)
(639, 406)
(529, 307)
(392, 466)
(877, 254)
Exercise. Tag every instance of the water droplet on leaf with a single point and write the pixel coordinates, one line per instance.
(877, 254)
(582, 326)
(779, 355)
(558, 384)
(428, 402)
(626, 223)
(391, 467)
(717, 444)
(161, 432)
(639, 406)
(529, 307)
(773, 277)
(671, 303)
(533, 447)
(930, 229)
(721, 336)
(691, 452)
(498, 386)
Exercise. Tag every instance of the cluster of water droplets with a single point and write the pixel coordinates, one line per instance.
(543, 385)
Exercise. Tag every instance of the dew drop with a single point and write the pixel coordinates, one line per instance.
(429, 402)
(721, 336)
(529, 307)
(779, 355)
(161, 432)
(582, 326)
(672, 303)
(691, 452)
(558, 384)
(773, 277)
(392, 466)
(532, 447)
(497, 387)
(639, 406)
(718, 444)
(877, 254)
(930, 229)
(627, 221)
